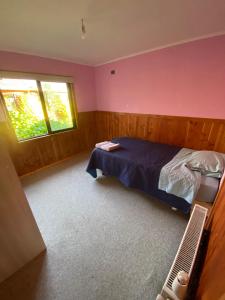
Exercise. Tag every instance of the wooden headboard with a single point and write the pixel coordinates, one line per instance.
(195, 133)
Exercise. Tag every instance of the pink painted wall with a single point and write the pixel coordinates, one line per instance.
(83, 75)
(184, 80)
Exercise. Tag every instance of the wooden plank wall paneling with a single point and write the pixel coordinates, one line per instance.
(34, 154)
(195, 133)
(212, 280)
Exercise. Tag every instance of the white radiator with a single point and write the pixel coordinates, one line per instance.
(187, 251)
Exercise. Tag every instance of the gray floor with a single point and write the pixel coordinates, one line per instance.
(104, 241)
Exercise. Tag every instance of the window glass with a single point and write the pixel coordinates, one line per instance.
(58, 105)
(24, 107)
(37, 108)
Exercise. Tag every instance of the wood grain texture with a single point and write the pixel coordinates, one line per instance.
(195, 133)
(34, 154)
(212, 280)
(20, 238)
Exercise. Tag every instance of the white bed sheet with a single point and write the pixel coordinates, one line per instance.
(208, 189)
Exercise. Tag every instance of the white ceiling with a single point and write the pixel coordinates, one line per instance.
(115, 28)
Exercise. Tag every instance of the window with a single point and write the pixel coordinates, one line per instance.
(38, 107)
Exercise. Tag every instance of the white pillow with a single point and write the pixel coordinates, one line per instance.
(208, 163)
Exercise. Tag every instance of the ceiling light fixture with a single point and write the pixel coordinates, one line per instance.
(83, 29)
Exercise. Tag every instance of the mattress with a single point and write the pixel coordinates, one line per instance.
(208, 189)
(137, 164)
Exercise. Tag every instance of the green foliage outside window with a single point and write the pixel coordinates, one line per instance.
(26, 111)
(26, 124)
(58, 107)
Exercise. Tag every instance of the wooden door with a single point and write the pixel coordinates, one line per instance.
(20, 239)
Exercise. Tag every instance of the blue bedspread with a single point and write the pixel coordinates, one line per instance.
(137, 164)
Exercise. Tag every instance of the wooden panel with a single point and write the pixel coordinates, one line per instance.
(212, 281)
(34, 154)
(195, 133)
(20, 238)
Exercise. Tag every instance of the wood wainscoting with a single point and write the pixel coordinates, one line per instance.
(37, 153)
(195, 133)
(95, 126)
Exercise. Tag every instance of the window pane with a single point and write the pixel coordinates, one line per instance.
(58, 105)
(24, 107)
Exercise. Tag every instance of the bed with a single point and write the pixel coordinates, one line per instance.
(138, 164)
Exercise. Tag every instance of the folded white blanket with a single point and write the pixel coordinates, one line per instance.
(107, 146)
(98, 145)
